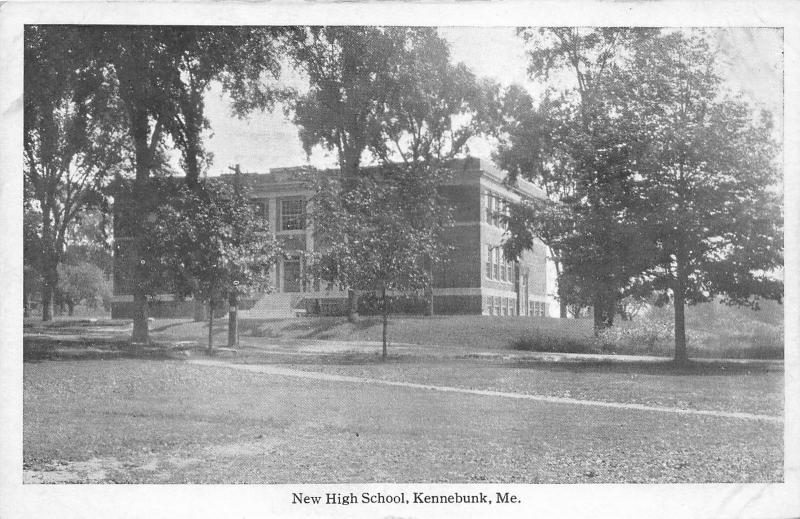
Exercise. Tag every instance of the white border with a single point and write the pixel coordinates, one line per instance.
(617, 501)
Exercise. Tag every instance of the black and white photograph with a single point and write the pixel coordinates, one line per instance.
(389, 269)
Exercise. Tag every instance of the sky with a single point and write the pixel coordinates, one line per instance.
(751, 62)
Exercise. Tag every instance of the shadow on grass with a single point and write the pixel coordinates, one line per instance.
(314, 328)
(174, 325)
(659, 367)
(58, 350)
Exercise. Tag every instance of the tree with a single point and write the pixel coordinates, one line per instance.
(570, 146)
(83, 283)
(350, 71)
(208, 244)
(374, 240)
(71, 144)
(161, 73)
(387, 91)
(710, 184)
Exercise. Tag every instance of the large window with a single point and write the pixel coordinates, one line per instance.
(489, 253)
(292, 215)
(496, 266)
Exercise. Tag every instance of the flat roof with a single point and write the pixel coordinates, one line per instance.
(295, 175)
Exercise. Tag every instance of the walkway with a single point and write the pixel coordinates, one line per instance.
(315, 375)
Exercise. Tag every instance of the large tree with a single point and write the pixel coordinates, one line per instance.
(351, 72)
(162, 73)
(570, 146)
(207, 243)
(384, 94)
(710, 180)
(73, 140)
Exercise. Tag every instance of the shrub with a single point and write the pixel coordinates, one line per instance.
(538, 340)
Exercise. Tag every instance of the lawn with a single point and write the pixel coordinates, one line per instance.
(162, 421)
(713, 331)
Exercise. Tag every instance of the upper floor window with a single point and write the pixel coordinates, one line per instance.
(292, 215)
(496, 209)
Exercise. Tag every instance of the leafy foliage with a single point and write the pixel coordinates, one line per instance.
(208, 243)
(83, 283)
(380, 234)
(657, 180)
(73, 142)
(161, 74)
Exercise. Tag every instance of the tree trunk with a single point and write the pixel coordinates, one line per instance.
(681, 355)
(604, 307)
(385, 308)
(352, 305)
(199, 311)
(49, 285)
(430, 290)
(70, 308)
(562, 309)
(141, 333)
(210, 325)
(233, 322)
(47, 302)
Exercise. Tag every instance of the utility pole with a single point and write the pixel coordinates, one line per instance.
(233, 297)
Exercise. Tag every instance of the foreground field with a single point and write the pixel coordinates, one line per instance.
(154, 421)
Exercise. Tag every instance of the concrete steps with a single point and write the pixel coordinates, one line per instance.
(274, 306)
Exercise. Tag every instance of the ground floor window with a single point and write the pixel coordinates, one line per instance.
(537, 308)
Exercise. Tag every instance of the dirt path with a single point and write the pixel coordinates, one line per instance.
(277, 370)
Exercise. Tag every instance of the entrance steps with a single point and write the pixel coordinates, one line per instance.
(275, 306)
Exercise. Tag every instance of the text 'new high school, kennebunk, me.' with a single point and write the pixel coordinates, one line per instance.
(402, 498)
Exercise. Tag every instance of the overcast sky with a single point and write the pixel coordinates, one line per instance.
(752, 62)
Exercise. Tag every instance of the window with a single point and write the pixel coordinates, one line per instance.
(292, 215)
(489, 208)
(498, 204)
(512, 307)
(489, 253)
(496, 266)
(504, 306)
(538, 308)
(490, 299)
(496, 305)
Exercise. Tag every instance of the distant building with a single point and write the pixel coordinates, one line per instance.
(473, 280)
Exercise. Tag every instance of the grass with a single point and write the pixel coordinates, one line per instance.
(713, 331)
(156, 421)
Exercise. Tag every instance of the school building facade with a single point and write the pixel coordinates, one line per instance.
(474, 279)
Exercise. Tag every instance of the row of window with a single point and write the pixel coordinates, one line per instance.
(497, 268)
(496, 208)
(291, 213)
(501, 305)
(497, 305)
